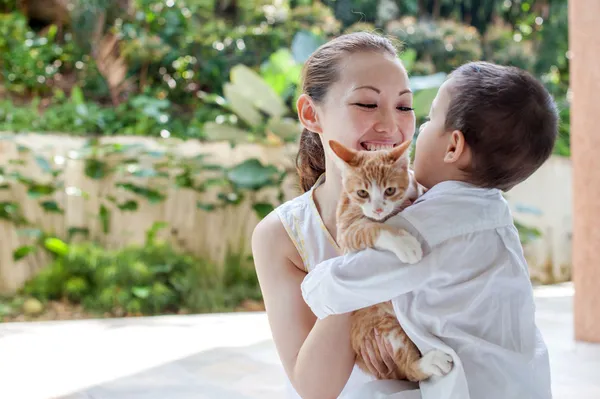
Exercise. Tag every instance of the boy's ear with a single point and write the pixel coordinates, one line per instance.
(457, 150)
(307, 114)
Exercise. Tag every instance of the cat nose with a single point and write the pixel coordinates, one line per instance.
(378, 211)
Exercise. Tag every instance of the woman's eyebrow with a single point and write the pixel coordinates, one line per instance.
(376, 90)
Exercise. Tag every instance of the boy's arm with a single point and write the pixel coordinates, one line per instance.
(361, 279)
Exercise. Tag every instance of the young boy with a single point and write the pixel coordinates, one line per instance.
(470, 295)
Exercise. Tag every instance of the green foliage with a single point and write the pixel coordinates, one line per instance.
(148, 279)
(29, 61)
(140, 173)
(443, 44)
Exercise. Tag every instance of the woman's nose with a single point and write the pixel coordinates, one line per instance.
(386, 123)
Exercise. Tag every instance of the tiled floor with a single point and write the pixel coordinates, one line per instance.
(212, 356)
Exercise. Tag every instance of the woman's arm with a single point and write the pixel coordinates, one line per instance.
(317, 357)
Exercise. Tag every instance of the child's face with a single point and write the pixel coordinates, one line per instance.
(432, 142)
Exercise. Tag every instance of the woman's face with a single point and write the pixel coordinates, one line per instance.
(370, 106)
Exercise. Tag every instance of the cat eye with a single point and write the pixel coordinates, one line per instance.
(390, 191)
(362, 193)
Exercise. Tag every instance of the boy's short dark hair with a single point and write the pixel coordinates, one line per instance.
(508, 119)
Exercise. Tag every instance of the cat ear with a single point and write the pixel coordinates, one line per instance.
(341, 155)
(400, 153)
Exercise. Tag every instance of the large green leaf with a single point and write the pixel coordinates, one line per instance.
(422, 101)
(288, 129)
(241, 104)
(222, 132)
(251, 174)
(43, 164)
(253, 87)
(304, 44)
(282, 72)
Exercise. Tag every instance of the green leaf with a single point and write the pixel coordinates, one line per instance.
(262, 209)
(51, 207)
(43, 164)
(251, 174)
(96, 169)
(78, 230)
(153, 196)
(221, 132)
(11, 211)
(287, 129)
(23, 251)
(104, 216)
(77, 95)
(37, 190)
(251, 86)
(152, 231)
(304, 44)
(233, 198)
(56, 246)
(130, 205)
(422, 101)
(242, 104)
(408, 57)
(206, 207)
(184, 179)
(141, 292)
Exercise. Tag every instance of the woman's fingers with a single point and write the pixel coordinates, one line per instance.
(375, 362)
(367, 359)
(387, 355)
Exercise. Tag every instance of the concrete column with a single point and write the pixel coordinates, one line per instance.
(584, 42)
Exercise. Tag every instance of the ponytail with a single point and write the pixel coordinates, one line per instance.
(310, 161)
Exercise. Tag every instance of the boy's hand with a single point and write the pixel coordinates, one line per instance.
(415, 190)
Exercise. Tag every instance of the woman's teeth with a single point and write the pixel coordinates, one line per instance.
(377, 147)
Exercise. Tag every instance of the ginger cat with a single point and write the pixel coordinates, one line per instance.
(375, 186)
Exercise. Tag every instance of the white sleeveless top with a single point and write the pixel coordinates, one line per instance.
(314, 243)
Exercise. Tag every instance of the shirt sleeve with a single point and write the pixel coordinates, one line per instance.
(361, 279)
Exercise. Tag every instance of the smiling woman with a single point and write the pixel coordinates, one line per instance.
(355, 92)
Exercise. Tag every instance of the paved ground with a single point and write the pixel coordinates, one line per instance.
(212, 356)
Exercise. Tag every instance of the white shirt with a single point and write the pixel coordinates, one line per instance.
(470, 295)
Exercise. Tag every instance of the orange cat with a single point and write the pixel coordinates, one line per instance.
(375, 186)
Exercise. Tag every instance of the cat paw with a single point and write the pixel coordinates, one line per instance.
(406, 247)
(436, 363)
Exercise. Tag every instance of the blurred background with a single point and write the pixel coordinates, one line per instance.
(143, 140)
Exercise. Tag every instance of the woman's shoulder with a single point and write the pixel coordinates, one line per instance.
(271, 237)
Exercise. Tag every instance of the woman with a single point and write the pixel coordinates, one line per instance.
(355, 91)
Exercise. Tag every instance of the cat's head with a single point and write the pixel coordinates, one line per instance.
(377, 181)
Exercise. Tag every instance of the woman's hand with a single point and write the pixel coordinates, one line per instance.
(382, 366)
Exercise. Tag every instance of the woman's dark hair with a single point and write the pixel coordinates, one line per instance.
(319, 73)
(508, 119)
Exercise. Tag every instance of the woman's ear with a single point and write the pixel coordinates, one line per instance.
(307, 113)
(458, 151)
